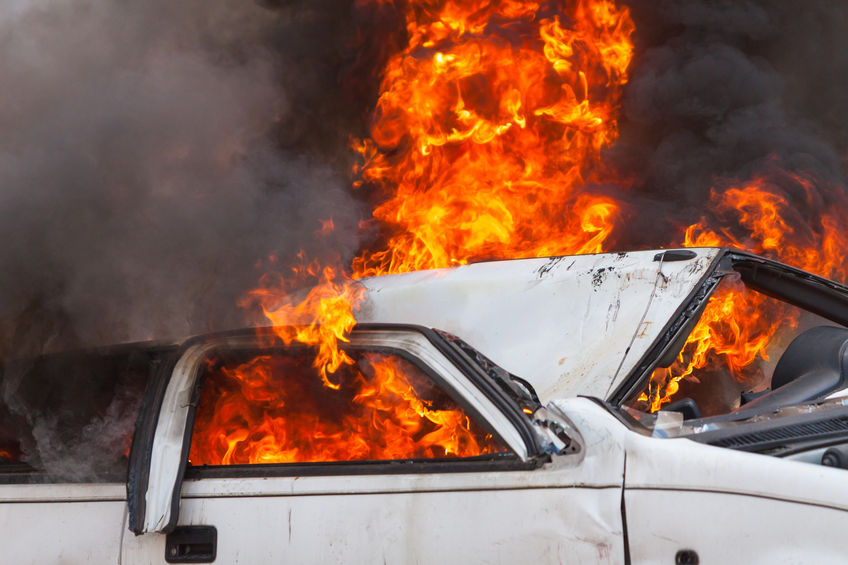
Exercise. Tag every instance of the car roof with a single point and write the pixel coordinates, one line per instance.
(570, 325)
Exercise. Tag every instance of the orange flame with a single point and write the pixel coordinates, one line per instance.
(486, 125)
(737, 327)
(322, 319)
(488, 129)
(257, 412)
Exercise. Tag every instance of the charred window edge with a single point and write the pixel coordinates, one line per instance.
(436, 378)
(490, 388)
(469, 409)
(476, 375)
(818, 295)
(138, 480)
(518, 389)
(497, 462)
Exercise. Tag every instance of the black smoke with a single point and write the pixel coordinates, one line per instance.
(151, 157)
(725, 91)
(151, 154)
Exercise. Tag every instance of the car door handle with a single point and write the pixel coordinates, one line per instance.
(191, 544)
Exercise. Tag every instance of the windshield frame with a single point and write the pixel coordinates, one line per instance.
(813, 293)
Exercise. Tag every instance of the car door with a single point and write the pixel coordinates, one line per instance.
(692, 503)
(66, 422)
(487, 491)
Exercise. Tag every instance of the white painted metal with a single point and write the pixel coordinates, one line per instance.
(417, 345)
(731, 528)
(569, 325)
(565, 512)
(63, 492)
(168, 439)
(61, 523)
(685, 465)
(728, 506)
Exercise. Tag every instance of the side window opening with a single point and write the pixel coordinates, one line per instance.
(271, 407)
(729, 359)
(70, 417)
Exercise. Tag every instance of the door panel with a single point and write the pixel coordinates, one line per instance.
(517, 523)
(732, 528)
(568, 511)
(61, 524)
(730, 506)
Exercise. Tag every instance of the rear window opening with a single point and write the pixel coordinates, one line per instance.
(271, 407)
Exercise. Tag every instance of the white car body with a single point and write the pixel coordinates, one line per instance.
(584, 331)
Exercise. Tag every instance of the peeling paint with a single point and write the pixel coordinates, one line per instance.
(549, 266)
(598, 277)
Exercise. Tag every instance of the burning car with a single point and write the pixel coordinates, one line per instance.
(598, 408)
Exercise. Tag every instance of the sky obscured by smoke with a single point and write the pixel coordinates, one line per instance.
(721, 91)
(150, 155)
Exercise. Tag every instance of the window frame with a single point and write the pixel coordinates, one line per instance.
(320, 467)
(798, 288)
(155, 508)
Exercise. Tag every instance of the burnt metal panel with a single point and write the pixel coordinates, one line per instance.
(821, 296)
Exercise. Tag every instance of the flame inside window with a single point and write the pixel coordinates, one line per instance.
(733, 349)
(273, 408)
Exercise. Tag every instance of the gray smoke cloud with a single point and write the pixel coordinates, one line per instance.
(151, 154)
(725, 90)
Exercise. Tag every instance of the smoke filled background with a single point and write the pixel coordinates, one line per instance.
(152, 158)
(725, 91)
(151, 154)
